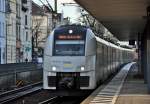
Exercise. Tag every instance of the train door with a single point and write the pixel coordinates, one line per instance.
(103, 62)
(108, 60)
(112, 60)
(115, 58)
(100, 61)
(110, 55)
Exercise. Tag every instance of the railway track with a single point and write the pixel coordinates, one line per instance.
(62, 100)
(52, 100)
(8, 96)
(34, 94)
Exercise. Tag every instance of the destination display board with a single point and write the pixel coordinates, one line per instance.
(69, 37)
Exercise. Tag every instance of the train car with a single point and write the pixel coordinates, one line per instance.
(77, 60)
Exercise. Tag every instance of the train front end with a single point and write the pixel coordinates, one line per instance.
(65, 62)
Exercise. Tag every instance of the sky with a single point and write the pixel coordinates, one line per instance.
(68, 11)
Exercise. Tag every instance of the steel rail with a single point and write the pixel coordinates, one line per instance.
(20, 92)
(49, 100)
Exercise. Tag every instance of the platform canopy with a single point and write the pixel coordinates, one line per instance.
(124, 18)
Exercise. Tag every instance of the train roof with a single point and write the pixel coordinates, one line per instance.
(65, 28)
(111, 44)
(73, 25)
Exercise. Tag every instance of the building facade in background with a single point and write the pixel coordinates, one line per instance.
(2, 32)
(18, 31)
(24, 51)
(24, 27)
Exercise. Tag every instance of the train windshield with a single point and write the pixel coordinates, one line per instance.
(69, 48)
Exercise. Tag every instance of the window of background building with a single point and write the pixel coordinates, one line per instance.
(0, 55)
(12, 28)
(7, 6)
(0, 5)
(11, 52)
(18, 31)
(4, 55)
(3, 29)
(0, 29)
(3, 5)
(18, 10)
(24, 1)
(26, 36)
(26, 20)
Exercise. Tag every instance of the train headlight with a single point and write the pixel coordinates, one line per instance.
(82, 68)
(70, 31)
(54, 68)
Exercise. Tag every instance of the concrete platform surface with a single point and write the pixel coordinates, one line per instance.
(134, 91)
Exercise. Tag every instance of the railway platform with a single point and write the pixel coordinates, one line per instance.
(134, 90)
(125, 88)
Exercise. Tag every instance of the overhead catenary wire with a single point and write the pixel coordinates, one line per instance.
(50, 6)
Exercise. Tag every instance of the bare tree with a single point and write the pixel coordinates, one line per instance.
(36, 28)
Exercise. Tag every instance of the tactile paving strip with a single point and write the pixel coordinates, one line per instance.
(110, 93)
